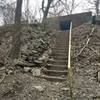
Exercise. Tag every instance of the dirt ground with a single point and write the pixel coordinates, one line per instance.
(26, 87)
(86, 66)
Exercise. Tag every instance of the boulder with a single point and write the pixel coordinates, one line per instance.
(36, 71)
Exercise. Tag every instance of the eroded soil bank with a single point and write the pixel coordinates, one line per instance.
(18, 84)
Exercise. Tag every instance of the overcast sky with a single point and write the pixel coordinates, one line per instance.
(36, 4)
(79, 9)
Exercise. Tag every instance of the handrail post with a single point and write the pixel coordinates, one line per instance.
(70, 73)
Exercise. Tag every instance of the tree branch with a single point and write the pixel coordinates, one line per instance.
(87, 42)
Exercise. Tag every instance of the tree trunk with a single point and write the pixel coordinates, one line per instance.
(18, 12)
(97, 3)
(16, 42)
(45, 12)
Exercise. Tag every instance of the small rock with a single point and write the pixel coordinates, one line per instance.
(36, 72)
(27, 69)
(45, 57)
(38, 62)
(99, 76)
(57, 83)
(49, 51)
(2, 68)
(51, 59)
(65, 89)
(10, 72)
(39, 88)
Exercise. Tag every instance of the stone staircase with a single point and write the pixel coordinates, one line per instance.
(56, 69)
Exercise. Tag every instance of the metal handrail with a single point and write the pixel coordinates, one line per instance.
(70, 73)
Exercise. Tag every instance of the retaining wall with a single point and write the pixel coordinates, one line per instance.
(77, 19)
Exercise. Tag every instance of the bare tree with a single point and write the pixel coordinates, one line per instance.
(15, 51)
(18, 12)
(30, 14)
(7, 10)
(8, 14)
(69, 5)
(97, 6)
(45, 11)
(62, 7)
(93, 5)
(56, 9)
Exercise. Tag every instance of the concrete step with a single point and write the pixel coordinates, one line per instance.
(62, 37)
(55, 48)
(59, 44)
(55, 72)
(53, 78)
(59, 57)
(59, 48)
(53, 65)
(61, 40)
(57, 60)
(60, 62)
(57, 68)
(59, 54)
(63, 51)
(65, 43)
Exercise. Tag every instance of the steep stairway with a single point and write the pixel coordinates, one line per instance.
(56, 69)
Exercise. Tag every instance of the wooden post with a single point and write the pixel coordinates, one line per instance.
(70, 73)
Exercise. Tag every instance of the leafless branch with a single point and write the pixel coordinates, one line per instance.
(87, 42)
